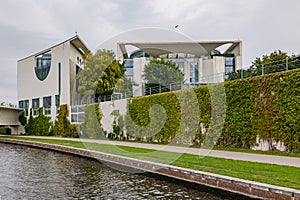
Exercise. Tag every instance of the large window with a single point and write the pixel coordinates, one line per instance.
(57, 103)
(35, 106)
(25, 105)
(47, 105)
(129, 68)
(194, 72)
(229, 65)
(43, 63)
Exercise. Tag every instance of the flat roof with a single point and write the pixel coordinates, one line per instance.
(157, 49)
(75, 41)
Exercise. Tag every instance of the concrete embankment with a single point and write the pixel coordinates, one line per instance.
(235, 185)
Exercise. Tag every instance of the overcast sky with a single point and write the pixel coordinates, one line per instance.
(28, 26)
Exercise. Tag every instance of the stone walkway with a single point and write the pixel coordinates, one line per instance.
(260, 158)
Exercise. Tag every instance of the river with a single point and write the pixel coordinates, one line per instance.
(30, 173)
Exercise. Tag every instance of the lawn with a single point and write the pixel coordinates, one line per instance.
(266, 173)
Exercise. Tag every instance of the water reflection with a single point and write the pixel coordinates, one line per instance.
(29, 173)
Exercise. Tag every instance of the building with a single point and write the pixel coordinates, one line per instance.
(47, 79)
(201, 62)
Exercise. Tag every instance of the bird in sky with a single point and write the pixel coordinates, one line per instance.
(176, 26)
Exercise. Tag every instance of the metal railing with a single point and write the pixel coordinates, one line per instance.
(262, 69)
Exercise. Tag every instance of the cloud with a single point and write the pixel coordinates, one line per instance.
(30, 26)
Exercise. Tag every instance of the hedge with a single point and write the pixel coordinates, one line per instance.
(266, 106)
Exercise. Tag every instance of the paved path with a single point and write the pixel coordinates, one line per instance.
(261, 158)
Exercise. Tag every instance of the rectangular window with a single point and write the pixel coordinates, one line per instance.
(57, 103)
(35, 106)
(193, 72)
(47, 105)
(25, 105)
(229, 65)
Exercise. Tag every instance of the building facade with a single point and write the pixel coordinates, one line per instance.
(200, 62)
(47, 79)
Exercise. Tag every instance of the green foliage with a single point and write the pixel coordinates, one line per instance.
(109, 78)
(62, 126)
(275, 62)
(267, 106)
(39, 125)
(23, 119)
(92, 116)
(100, 74)
(162, 73)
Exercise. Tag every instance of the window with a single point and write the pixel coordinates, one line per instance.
(47, 105)
(43, 63)
(194, 72)
(35, 106)
(129, 68)
(229, 65)
(77, 114)
(57, 103)
(25, 105)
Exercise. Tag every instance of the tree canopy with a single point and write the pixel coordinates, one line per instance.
(101, 74)
(161, 73)
(275, 62)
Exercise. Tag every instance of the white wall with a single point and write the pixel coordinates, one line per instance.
(138, 72)
(30, 87)
(107, 108)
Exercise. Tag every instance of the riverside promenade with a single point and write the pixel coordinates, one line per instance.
(251, 157)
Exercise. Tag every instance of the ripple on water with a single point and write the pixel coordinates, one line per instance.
(29, 173)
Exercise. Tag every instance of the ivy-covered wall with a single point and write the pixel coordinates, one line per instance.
(266, 106)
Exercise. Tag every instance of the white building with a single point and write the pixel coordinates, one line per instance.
(201, 62)
(47, 78)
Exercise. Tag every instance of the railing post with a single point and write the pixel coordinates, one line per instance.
(160, 88)
(170, 87)
(150, 90)
(287, 63)
(262, 70)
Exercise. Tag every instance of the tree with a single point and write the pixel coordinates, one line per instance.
(109, 78)
(100, 74)
(160, 73)
(275, 62)
(62, 125)
(22, 118)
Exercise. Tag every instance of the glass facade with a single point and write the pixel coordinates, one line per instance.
(25, 105)
(43, 63)
(35, 106)
(179, 62)
(229, 65)
(194, 72)
(57, 103)
(47, 105)
(129, 68)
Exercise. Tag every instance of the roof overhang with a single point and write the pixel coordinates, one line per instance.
(160, 48)
(75, 41)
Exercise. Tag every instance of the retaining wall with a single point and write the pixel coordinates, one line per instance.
(235, 185)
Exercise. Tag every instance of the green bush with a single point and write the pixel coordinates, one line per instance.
(39, 125)
(92, 116)
(62, 126)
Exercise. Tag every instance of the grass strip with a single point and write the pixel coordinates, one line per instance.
(285, 176)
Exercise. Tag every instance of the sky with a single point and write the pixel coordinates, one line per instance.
(29, 26)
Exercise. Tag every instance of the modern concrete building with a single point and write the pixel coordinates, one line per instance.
(46, 79)
(201, 62)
